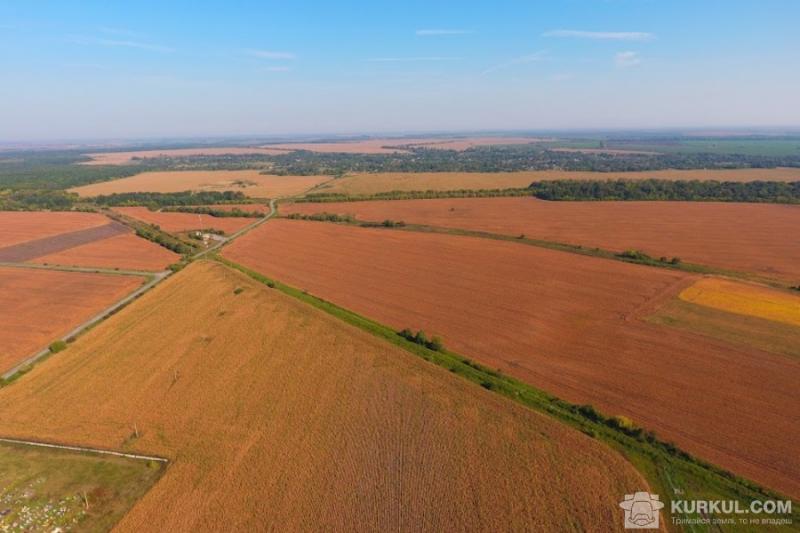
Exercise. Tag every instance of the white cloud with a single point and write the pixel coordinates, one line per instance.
(409, 59)
(529, 58)
(602, 35)
(112, 43)
(268, 54)
(627, 59)
(439, 32)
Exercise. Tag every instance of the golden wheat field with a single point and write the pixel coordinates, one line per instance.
(250, 182)
(305, 423)
(745, 299)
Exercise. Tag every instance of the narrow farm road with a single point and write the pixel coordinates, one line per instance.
(155, 279)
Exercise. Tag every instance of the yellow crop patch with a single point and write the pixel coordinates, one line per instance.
(744, 299)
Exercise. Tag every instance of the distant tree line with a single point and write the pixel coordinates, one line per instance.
(322, 217)
(511, 158)
(219, 213)
(163, 199)
(40, 199)
(652, 189)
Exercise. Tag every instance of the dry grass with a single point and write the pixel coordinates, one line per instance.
(306, 423)
(442, 181)
(17, 227)
(38, 306)
(249, 182)
(745, 299)
(124, 158)
(745, 237)
(565, 323)
(123, 251)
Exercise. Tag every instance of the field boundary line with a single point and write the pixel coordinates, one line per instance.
(140, 457)
(87, 270)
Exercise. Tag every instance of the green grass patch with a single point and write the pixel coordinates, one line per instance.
(42, 489)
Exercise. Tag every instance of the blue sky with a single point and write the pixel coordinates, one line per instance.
(95, 69)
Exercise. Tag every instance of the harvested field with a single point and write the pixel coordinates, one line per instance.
(178, 222)
(122, 251)
(743, 237)
(19, 253)
(17, 227)
(745, 299)
(565, 323)
(740, 330)
(444, 181)
(43, 489)
(306, 423)
(397, 145)
(249, 182)
(126, 158)
(39, 306)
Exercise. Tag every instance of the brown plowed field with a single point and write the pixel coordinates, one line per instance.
(38, 306)
(563, 322)
(177, 222)
(445, 181)
(249, 182)
(123, 251)
(125, 158)
(744, 237)
(306, 423)
(17, 227)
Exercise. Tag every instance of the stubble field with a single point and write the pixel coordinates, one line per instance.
(249, 182)
(565, 323)
(77, 239)
(17, 227)
(306, 422)
(38, 306)
(445, 181)
(178, 222)
(126, 251)
(745, 237)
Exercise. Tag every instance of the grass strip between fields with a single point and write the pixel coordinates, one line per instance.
(666, 467)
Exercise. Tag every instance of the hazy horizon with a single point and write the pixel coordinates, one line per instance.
(78, 71)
